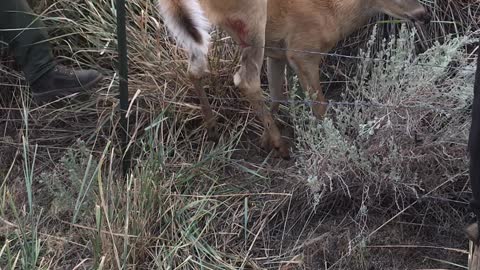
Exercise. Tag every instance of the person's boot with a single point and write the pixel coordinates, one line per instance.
(61, 82)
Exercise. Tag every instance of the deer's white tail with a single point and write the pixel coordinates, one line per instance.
(186, 21)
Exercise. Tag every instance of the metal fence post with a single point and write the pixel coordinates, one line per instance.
(123, 82)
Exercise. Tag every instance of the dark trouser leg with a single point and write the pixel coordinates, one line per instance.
(27, 38)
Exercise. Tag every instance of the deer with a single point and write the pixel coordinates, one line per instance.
(281, 30)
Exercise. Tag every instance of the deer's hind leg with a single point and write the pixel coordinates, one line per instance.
(247, 79)
(197, 72)
(249, 31)
(306, 67)
(276, 80)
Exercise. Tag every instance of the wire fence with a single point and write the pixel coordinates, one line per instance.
(433, 107)
(450, 67)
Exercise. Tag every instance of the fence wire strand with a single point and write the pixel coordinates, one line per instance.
(329, 103)
(337, 55)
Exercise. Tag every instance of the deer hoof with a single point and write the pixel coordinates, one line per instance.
(281, 147)
(472, 232)
(212, 134)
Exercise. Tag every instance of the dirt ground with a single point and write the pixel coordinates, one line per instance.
(425, 234)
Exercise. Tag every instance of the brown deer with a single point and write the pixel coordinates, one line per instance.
(293, 25)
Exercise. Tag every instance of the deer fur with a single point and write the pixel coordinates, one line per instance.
(293, 25)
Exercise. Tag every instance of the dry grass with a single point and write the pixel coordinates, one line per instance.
(189, 204)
